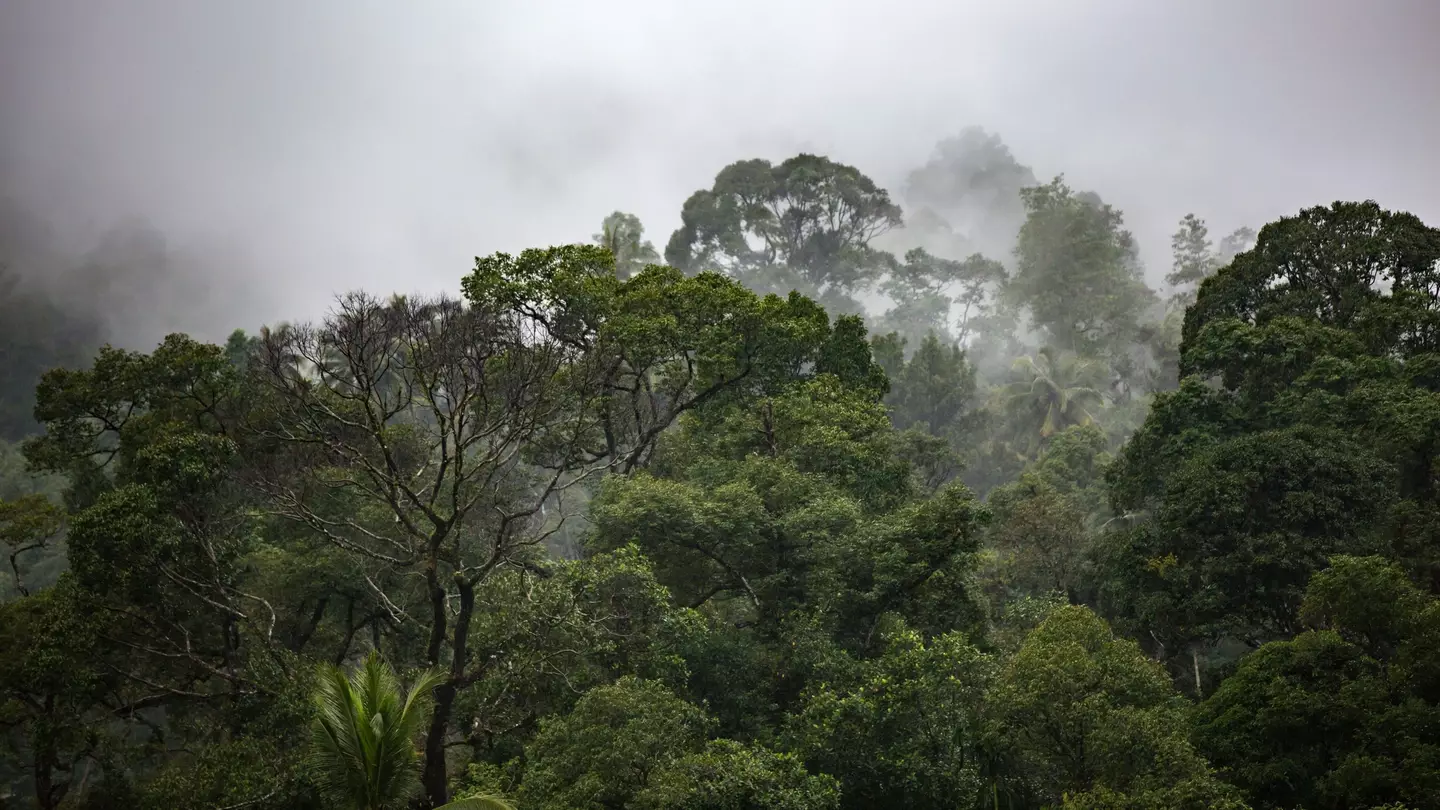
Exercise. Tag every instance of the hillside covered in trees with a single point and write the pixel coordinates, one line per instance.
(842, 498)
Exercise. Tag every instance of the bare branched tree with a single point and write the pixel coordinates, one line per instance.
(442, 441)
(427, 436)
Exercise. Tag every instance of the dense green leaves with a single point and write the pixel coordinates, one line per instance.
(608, 749)
(1085, 712)
(905, 728)
(804, 224)
(688, 536)
(1337, 717)
(1076, 270)
(727, 775)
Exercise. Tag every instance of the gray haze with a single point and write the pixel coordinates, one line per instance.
(291, 150)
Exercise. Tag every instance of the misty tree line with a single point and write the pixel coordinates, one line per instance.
(834, 503)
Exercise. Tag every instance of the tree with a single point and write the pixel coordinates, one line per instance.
(447, 439)
(554, 630)
(624, 236)
(1304, 430)
(611, 746)
(1339, 716)
(159, 543)
(936, 389)
(27, 525)
(1196, 259)
(1076, 271)
(363, 742)
(1078, 711)
(926, 289)
(905, 730)
(1238, 241)
(1350, 266)
(1045, 521)
(805, 224)
(1236, 533)
(1056, 391)
(798, 501)
(53, 685)
(728, 775)
(1193, 261)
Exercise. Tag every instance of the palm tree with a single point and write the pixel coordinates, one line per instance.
(363, 741)
(1057, 393)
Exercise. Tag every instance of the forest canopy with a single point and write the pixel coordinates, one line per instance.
(849, 501)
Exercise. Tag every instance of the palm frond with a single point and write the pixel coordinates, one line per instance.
(363, 739)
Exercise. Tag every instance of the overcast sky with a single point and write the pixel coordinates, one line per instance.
(323, 145)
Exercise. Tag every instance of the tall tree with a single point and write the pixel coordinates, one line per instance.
(905, 729)
(1195, 258)
(1237, 242)
(1084, 718)
(805, 224)
(624, 236)
(1054, 391)
(160, 546)
(935, 389)
(1076, 271)
(1306, 428)
(445, 439)
(610, 746)
(1344, 714)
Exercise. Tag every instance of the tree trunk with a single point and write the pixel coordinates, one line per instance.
(434, 778)
(47, 793)
(1195, 665)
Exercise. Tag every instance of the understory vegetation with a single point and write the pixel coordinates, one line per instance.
(838, 500)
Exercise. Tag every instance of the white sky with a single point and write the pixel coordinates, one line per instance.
(322, 145)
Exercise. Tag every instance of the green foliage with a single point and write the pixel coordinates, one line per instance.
(363, 751)
(798, 501)
(1046, 520)
(545, 637)
(1196, 258)
(1076, 271)
(805, 224)
(926, 289)
(28, 528)
(250, 770)
(610, 746)
(1364, 269)
(654, 540)
(846, 356)
(624, 236)
(363, 741)
(1240, 528)
(728, 775)
(1336, 717)
(1055, 391)
(52, 681)
(1081, 711)
(904, 729)
(934, 391)
(1312, 438)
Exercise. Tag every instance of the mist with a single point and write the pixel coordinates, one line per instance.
(278, 153)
